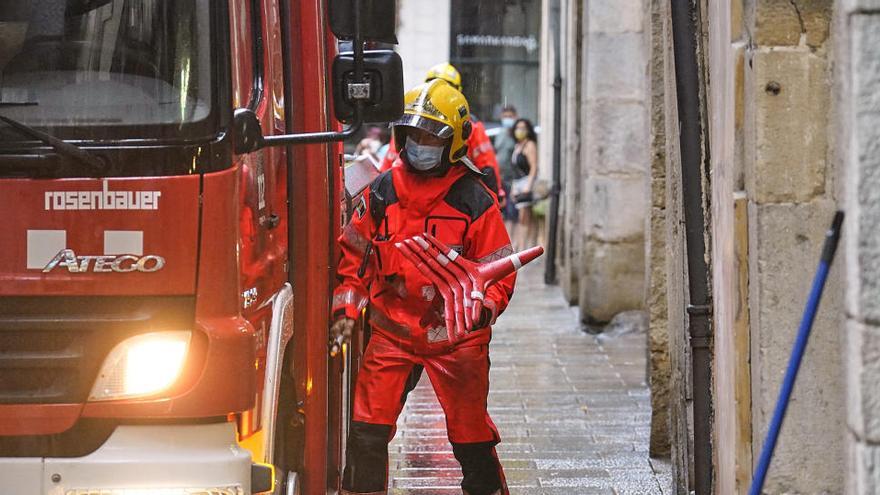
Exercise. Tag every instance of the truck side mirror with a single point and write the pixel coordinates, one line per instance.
(367, 86)
(380, 90)
(378, 19)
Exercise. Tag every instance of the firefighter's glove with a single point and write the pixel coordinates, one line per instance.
(463, 283)
(340, 333)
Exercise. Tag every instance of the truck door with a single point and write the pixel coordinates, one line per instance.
(258, 84)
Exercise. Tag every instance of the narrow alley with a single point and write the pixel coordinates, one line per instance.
(573, 409)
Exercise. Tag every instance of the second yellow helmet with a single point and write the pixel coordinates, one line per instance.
(446, 72)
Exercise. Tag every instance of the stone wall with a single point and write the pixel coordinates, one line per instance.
(680, 390)
(615, 159)
(546, 110)
(858, 71)
(570, 259)
(789, 182)
(612, 232)
(724, 56)
(605, 155)
(423, 32)
(771, 193)
(655, 245)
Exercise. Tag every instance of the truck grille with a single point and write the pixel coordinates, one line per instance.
(51, 348)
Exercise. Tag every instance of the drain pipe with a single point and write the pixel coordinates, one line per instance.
(553, 218)
(699, 309)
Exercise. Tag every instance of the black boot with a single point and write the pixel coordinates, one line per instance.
(480, 467)
(366, 459)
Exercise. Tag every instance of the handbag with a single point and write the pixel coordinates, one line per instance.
(526, 197)
(540, 190)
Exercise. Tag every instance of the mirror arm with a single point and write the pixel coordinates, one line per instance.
(332, 136)
(316, 137)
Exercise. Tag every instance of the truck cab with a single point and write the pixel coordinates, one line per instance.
(167, 270)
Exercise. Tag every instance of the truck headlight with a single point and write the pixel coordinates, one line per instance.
(142, 365)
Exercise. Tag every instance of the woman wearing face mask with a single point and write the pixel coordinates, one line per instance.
(432, 188)
(525, 161)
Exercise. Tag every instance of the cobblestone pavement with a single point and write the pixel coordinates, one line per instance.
(573, 410)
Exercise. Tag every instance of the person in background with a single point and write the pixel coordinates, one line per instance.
(385, 139)
(525, 160)
(370, 144)
(504, 144)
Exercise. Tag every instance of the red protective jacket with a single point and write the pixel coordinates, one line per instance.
(480, 151)
(404, 306)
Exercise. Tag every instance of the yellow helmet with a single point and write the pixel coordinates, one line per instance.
(438, 108)
(446, 72)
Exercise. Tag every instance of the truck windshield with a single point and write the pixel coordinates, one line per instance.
(74, 66)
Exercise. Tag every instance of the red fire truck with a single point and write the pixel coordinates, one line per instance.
(170, 187)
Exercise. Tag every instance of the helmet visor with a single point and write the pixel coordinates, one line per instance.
(431, 126)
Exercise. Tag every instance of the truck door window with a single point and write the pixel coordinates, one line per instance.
(247, 49)
(105, 63)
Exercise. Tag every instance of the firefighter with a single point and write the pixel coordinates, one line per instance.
(432, 187)
(480, 149)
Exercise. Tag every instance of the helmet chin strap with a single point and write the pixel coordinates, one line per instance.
(470, 165)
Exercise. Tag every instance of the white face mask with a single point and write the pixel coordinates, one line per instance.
(422, 157)
(507, 122)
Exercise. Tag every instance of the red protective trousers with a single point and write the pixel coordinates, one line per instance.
(460, 380)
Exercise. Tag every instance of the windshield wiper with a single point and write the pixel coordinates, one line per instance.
(59, 145)
(18, 104)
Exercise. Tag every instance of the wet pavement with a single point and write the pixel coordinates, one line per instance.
(573, 409)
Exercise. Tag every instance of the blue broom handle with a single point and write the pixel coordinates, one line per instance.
(797, 354)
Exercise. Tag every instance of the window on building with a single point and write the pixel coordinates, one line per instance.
(495, 45)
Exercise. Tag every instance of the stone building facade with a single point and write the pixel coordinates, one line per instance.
(606, 156)
(791, 104)
(423, 30)
(773, 192)
(857, 125)
(605, 152)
